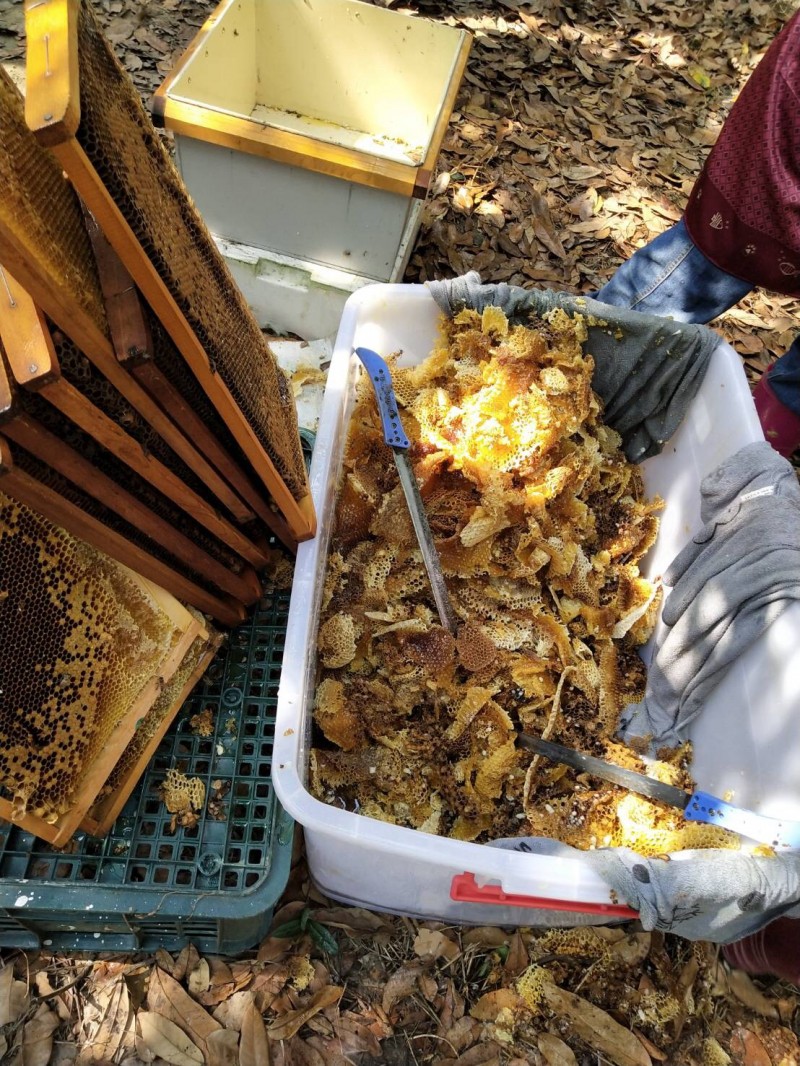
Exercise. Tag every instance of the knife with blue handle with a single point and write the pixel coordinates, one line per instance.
(696, 806)
(394, 435)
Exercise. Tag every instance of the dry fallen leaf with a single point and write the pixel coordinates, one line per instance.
(434, 944)
(555, 1051)
(164, 1039)
(353, 920)
(285, 1027)
(37, 1037)
(462, 200)
(489, 1006)
(401, 984)
(199, 979)
(748, 1049)
(223, 1048)
(186, 961)
(254, 1044)
(166, 997)
(231, 1011)
(517, 959)
(6, 982)
(633, 949)
(112, 1029)
(356, 1038)
(596, 1027)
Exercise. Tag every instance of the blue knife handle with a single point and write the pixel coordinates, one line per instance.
(703, 807)
(381, 379)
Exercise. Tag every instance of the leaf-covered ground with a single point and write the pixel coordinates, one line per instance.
(577, 136)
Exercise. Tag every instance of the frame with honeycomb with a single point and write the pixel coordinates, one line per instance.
(38, 486)
(149, 733)
(55, 263)
(107, 642)
(540, 522)
(143, 347)
(81, 105)
(41, 427)
(73, 386)
(63, 466)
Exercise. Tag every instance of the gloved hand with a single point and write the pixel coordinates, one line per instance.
(708, 894)
(730, 582)
(711, 894)
(647, 369)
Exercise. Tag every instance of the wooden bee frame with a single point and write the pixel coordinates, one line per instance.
(186, 628)
(61, 512)
(53, 112)
(34, 365)
(102, 815)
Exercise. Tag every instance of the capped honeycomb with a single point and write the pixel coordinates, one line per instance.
(540, 523)
(117, 136)
(40, 208)
(82, 636)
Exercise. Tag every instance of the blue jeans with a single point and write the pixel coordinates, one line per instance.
(670, 276)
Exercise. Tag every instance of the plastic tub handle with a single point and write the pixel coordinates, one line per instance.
(465, 889)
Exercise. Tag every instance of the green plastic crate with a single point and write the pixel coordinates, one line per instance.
(149, 884)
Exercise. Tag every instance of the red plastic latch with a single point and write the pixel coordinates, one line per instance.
(465, 889)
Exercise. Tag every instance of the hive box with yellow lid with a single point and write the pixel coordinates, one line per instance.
(738, 747)
(307, 134)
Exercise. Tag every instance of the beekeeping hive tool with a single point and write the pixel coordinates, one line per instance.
(696, 806)
(394, 435)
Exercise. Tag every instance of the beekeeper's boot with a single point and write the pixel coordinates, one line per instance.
(781, 426)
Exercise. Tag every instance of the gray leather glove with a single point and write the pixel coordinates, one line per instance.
(711, 894)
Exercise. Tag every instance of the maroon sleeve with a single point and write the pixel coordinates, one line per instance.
(744, 210)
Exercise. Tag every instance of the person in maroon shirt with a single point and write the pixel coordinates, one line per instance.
(741, 229)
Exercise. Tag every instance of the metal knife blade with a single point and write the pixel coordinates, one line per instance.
(395, 437)
(696, 806)
(617, 775)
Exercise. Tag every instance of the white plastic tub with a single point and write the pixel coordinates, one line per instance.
(740, 740)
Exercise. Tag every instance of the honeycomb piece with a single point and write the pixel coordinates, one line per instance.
(531, 986)
(475, 650)
(202, 724)
(183, 794)
(473, 701)
(713, 1054)
(117, 136)
(337, 641)
(100, 637)
(339, 723)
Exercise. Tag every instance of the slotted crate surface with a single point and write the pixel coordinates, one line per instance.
(149, 883)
